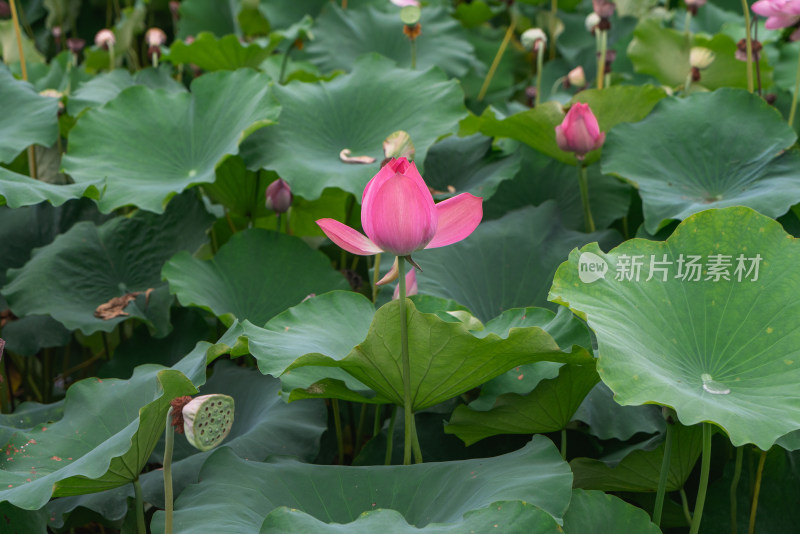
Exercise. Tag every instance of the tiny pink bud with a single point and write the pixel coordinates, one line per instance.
(603, 8)
(579, 132)
(576, 77)
(155, 37)
(105, 39)
(278, 196)
(56, 32)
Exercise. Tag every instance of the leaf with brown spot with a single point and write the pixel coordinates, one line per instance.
(116, 306)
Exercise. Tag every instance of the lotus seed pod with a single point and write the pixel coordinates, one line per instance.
(105, 39)
(207, 420)
(155, 37)
(532, 38)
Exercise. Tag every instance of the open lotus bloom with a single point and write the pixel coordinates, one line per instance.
(399, 216)
(779, 13)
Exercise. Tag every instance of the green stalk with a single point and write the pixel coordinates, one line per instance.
(169, 440)
(539, 67)
(705, 467)
(407, 413)
(284, 63)
(137, 489)
(376, 277)
(18, 33)
(601, 60)
(362, 417)
(583, 181)
(687, 24)
(415, 442)
(337, 421)
(390, 436)
(685, 505)
(793, 109)
(737, 473)
(496, 61)
(376, 424)
(756, 491)
(112, 63)
(564, 444)
(662, 479)
(688, 83)
(553, 24)
(749, 46)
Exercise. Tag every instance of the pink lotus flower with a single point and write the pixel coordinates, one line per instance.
(278, 196)
(399, 216)
(779, 13)
(579, 132)
(405, 3)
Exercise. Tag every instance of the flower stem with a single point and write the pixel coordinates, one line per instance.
(688, 83)
(754, 507)
(18, 32)
(137, 490)
(337, 421)
(564, 444)
(362, 417)
(687, 26)
(376, 423)
(553, 24)
(685, 505)
(111, 59)
(737, 473)
(169, 440)
(415, 442)
(793, 109)
(587, 210)
(539, 67)
(662, 479)
(601, 59)
(407, 412)
(749, 45)
(376, 277)
(705, 467)
(496, 61)
(390, 436)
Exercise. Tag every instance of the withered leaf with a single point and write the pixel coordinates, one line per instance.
(345, 157)
(116, 306)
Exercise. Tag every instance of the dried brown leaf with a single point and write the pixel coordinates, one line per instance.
(116, 306)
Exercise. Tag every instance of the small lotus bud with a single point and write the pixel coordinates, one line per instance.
(105, 39)
(576, 77)
(155, 37)
(406, 3)
(278, 196)
(693, 5)
(56, 33)
(591, 22)
(207, 420)
(604, 9)
(532, 38)
(700, 57)
(75, 45)
(5, 10)
(579, 132)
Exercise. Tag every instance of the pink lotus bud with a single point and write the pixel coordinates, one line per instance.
(399, 216)
(279, 196)
(75, 45)
(56, 33)
(603, 8)
(105, 39)
(779, 13)
(406, 3)
(576, 77)
(155, 37)
(579, 131)
(693, 5)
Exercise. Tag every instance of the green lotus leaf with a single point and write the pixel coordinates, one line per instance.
(27, 521)
(342, 35)
(10, 50)
(506, 263)
(423, 494)
(27, 119)
(711, 167)
(17, 190)
(355, 111)
(28, 415)
(446, 359)
(599, 513)
(98, 263)
(609, 420)
(211, 53)
(712, 333)
(106, 87)
(184, 136)
(254, 276)
(108, 431)
(58, 74)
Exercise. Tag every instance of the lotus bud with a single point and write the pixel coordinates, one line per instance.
(105, 39)
(278, 196)
(576, 77)
(75, 45)
(207, 420)
(700, 57)
(5, 10)
(579, 132)
(406, 3)
(532, 38)
(604, 9)
(56, 33)
(693, 5)
(155, 37)
(591, 22)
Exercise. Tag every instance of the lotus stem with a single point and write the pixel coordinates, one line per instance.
(584, 185)
(337, 421)
(496, 61)
(154, 59)
(687, 26)
(169, 441)
(112, 63)
(601, 59)
(793, 109)
(705, 467)
(662, 479)
(564, 444)
(390, 436)
(749, 46)
(688, 83)
(553, 19)
(284, 63)
(415, 442)
(376, 423)
(539, 67)
(737, 473)
(754, 506)
(18, 33)
(407, 412)
(685, 505)
(137, 490)
(376, 277)
(362, 417)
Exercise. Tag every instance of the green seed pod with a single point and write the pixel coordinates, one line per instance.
(207, 420)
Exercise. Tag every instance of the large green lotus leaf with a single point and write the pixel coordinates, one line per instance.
(542, 178)
(664, 54)
(27, 415)
(226, 53)
(108, 431)
(98, 263)
(254, 276)
(786, 66)
(459, 164)
(355, 111)
(10, 49)
(609, 420)
(149, 145)
(548, 408)
(599, 513)
(58, 74)
(699, 164)
(536, 127)
(506, 263)
(446, 359)
(640, 469)
(342, 35)
(106, 87)
(424, 493)
(27, 117)
(19, 521)
(17, 190)
(716, 350)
